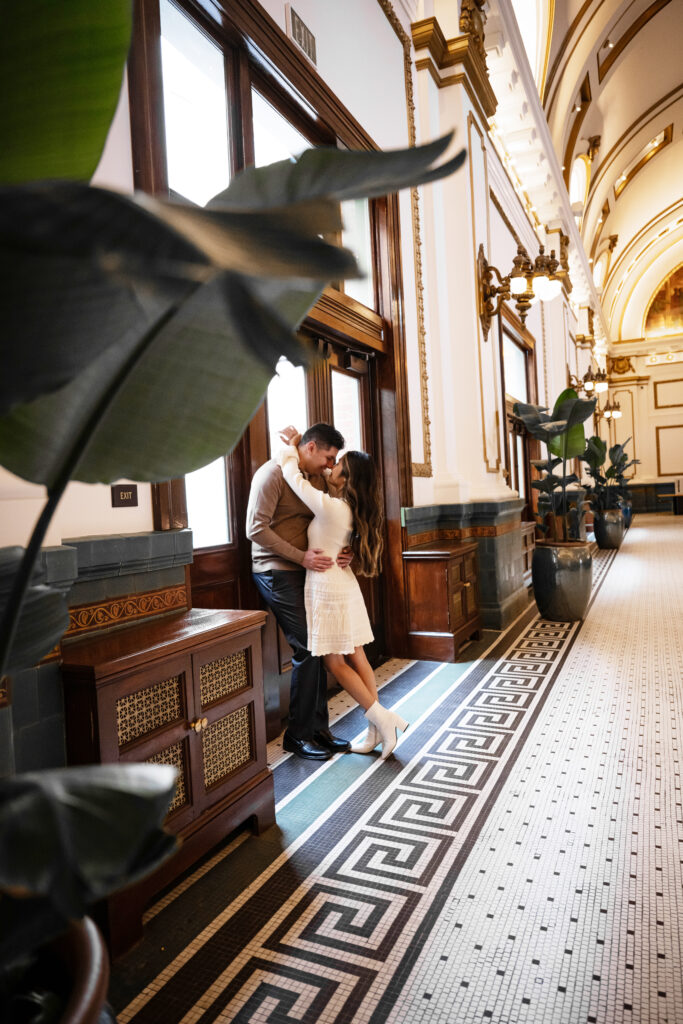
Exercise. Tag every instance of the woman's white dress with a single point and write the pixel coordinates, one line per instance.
(335, 610)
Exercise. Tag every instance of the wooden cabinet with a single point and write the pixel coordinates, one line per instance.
(185, 690)
(443, 599)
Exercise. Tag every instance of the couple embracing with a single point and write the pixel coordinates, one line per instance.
(309, 516)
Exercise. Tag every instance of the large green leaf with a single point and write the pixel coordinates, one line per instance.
(61, 68)
(176, 392)
(44, 615)
(574, 410)
(361, 174)
(72, 836)
(81, 268)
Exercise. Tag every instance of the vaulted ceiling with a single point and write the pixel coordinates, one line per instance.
(613, 94)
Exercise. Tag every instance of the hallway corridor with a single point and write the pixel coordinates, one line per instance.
(520, 859)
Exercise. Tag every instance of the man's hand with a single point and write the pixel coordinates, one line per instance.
(290, 435)
(344, 558)
(317, 560)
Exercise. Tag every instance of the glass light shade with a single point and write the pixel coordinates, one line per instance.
(553, 289)
(607, 413)
(616, 414)
(518, 285)
(588, 385)
(601, 386)
(541, 288)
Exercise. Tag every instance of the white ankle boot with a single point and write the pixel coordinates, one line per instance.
(388, 724)
(368, 743)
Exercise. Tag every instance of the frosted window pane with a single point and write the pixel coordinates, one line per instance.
(195, 109)
(274, 137)
(286, 401)
(514, 360)
(356, 237)
(521, 482)
(207, 505)
(346, 409)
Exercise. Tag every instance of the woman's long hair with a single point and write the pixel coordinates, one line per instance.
(361, 491)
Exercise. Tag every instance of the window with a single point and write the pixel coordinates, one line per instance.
(357, 237)
(578, 183)
(206, 492)
(195, 109)
(286, 401)
(514, 359)
(274, 137)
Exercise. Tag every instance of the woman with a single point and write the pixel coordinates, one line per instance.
(338, 623)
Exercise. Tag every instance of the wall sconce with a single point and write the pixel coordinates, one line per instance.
(591, 383)
(527, 282)
(611, 410)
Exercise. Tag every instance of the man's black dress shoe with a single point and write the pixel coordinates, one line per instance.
(305, 748)
(332, 743)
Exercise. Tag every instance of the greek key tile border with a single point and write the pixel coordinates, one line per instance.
(349, 910)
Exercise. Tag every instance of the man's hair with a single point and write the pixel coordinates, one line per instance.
(324, 435)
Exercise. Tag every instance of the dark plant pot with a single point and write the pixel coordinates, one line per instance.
(82, 959)
(609, 528)
(627, 512)
(562, 576)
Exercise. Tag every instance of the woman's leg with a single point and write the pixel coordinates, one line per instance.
(350, 679)
(358, 660)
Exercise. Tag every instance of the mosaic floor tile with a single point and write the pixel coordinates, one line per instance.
(518, 860)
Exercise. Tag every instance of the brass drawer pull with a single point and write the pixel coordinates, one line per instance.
(468, 583)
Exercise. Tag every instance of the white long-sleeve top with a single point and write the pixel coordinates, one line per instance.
(331, 527)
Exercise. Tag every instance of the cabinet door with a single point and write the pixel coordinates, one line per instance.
(458, 612)
(144, 718)
(470, 579)
(228, 693)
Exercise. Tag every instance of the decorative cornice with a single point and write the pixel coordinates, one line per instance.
(340, 312)
(462, 53)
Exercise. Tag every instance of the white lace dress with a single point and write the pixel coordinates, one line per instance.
(335, 610)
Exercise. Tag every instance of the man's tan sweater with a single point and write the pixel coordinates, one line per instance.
(277, 520)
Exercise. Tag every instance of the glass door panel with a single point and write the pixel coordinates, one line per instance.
(346, 409)
(195, 109)
(208, 507)
(286, 403)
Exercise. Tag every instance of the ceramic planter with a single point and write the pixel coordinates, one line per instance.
(609, 528)
(562, 576)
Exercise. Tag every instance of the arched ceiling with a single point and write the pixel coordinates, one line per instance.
(614, 88)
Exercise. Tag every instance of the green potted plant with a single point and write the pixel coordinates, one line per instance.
(561, 568)
(68, 838)
(620, 462)
(604, 494)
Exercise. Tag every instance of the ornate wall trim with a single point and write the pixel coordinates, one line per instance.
(118, 611)
(424, 468)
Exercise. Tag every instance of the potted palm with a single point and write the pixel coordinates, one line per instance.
(604, 495)
(68, 838)
(620, 462)
(561, 568)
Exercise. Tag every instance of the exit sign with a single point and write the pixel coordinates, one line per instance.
(124, 495)
(300, 33)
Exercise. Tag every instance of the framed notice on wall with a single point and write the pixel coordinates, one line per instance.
(670, 450)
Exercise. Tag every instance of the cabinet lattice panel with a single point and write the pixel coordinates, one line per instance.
(175, 756)
(226, 746)
(219, 678)
(148, 709)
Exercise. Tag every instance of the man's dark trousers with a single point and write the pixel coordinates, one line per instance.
(283, 592)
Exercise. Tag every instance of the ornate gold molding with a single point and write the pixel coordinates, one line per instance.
(465, 53)
(424, 468)
(620, 45)
(619, 365)
(624, 182)
(85, 618)
(668, 426)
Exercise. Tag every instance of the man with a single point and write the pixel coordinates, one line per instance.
(277, 525)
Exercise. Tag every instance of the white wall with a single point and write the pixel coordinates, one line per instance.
(641, 418)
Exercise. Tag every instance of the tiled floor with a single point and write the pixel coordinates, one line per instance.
(518, 860)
